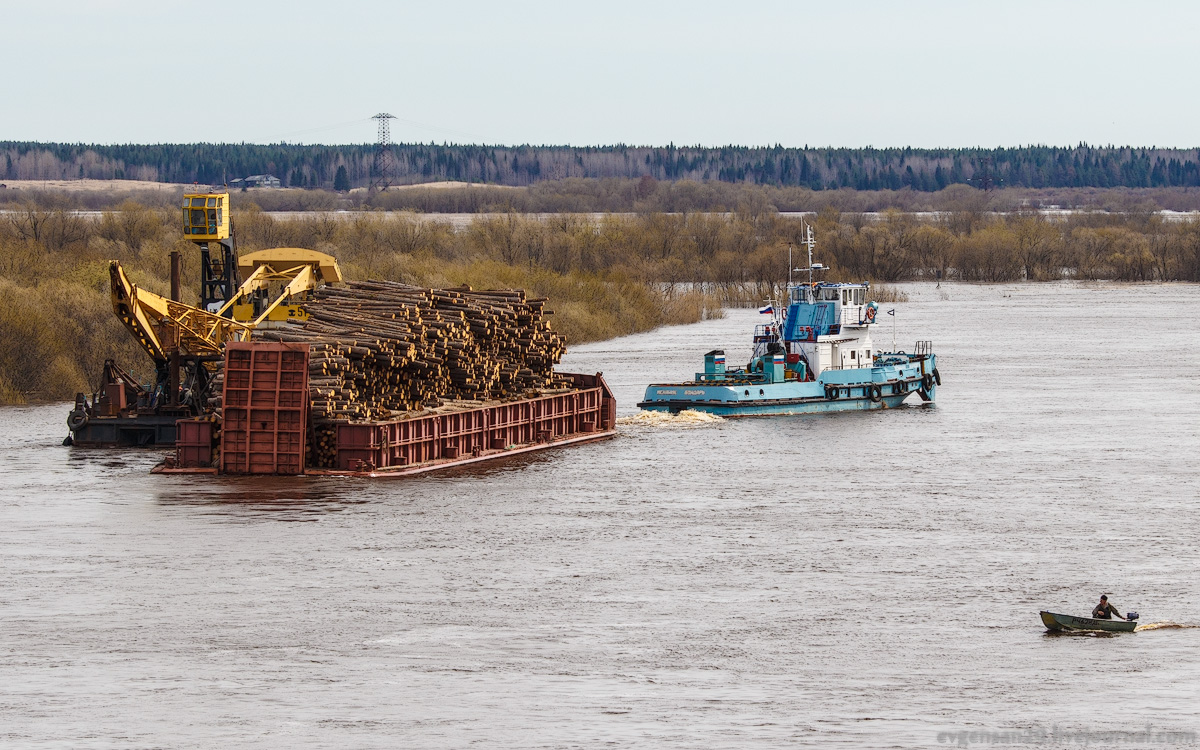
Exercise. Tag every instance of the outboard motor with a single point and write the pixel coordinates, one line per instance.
(1131, 615)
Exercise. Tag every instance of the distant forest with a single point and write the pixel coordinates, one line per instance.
(316, 166)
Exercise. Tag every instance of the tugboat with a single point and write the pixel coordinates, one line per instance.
(816, 357)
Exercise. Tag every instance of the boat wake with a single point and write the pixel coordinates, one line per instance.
(684, 419)
(1164, 626)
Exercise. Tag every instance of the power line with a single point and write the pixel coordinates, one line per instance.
(326, 128)
(437, 128)
(352, 123)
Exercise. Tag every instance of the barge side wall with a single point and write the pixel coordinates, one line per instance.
(469, 434)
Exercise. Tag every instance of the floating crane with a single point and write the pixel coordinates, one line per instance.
(186, 342)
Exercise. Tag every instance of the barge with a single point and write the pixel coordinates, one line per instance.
(266, 425)
(297, 371)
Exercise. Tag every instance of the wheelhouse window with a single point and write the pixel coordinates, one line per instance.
(203, 215)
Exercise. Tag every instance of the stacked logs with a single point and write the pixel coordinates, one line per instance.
(378, 348)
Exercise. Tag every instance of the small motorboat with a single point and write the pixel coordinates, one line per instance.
(1059, 623)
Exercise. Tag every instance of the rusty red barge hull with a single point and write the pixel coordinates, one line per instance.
(446, 463)
(265, 427)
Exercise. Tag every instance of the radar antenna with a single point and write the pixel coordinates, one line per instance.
(809, 243)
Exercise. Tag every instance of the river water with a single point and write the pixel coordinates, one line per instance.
(847, 580)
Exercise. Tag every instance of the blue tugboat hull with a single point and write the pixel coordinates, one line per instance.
(769, 408)
(860, 389)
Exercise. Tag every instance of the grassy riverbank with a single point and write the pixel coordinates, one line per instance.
(607, 277)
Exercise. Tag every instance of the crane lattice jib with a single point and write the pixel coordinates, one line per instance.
(161, 325)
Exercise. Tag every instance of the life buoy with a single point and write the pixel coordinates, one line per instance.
(876, 393)
(870, 314)
(77, 420)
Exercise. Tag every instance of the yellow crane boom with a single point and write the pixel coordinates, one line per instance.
(162, 325)
(277, 279)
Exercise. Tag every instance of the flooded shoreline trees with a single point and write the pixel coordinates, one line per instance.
(617, 195)
(605, 275)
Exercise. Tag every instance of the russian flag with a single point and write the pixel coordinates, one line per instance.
(768, 310)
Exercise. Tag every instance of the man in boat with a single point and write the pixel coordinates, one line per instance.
(1104, 610)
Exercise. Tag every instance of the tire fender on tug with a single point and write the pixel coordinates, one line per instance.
(875, 392)
(831, 392)
(77, 420)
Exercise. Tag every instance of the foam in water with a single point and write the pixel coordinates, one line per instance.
(1162, 626)
(685, 419)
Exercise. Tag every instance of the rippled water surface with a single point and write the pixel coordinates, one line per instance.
(855, 580)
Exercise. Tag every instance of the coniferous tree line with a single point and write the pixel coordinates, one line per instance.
(318, 166)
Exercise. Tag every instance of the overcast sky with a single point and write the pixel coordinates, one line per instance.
(925, 74)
